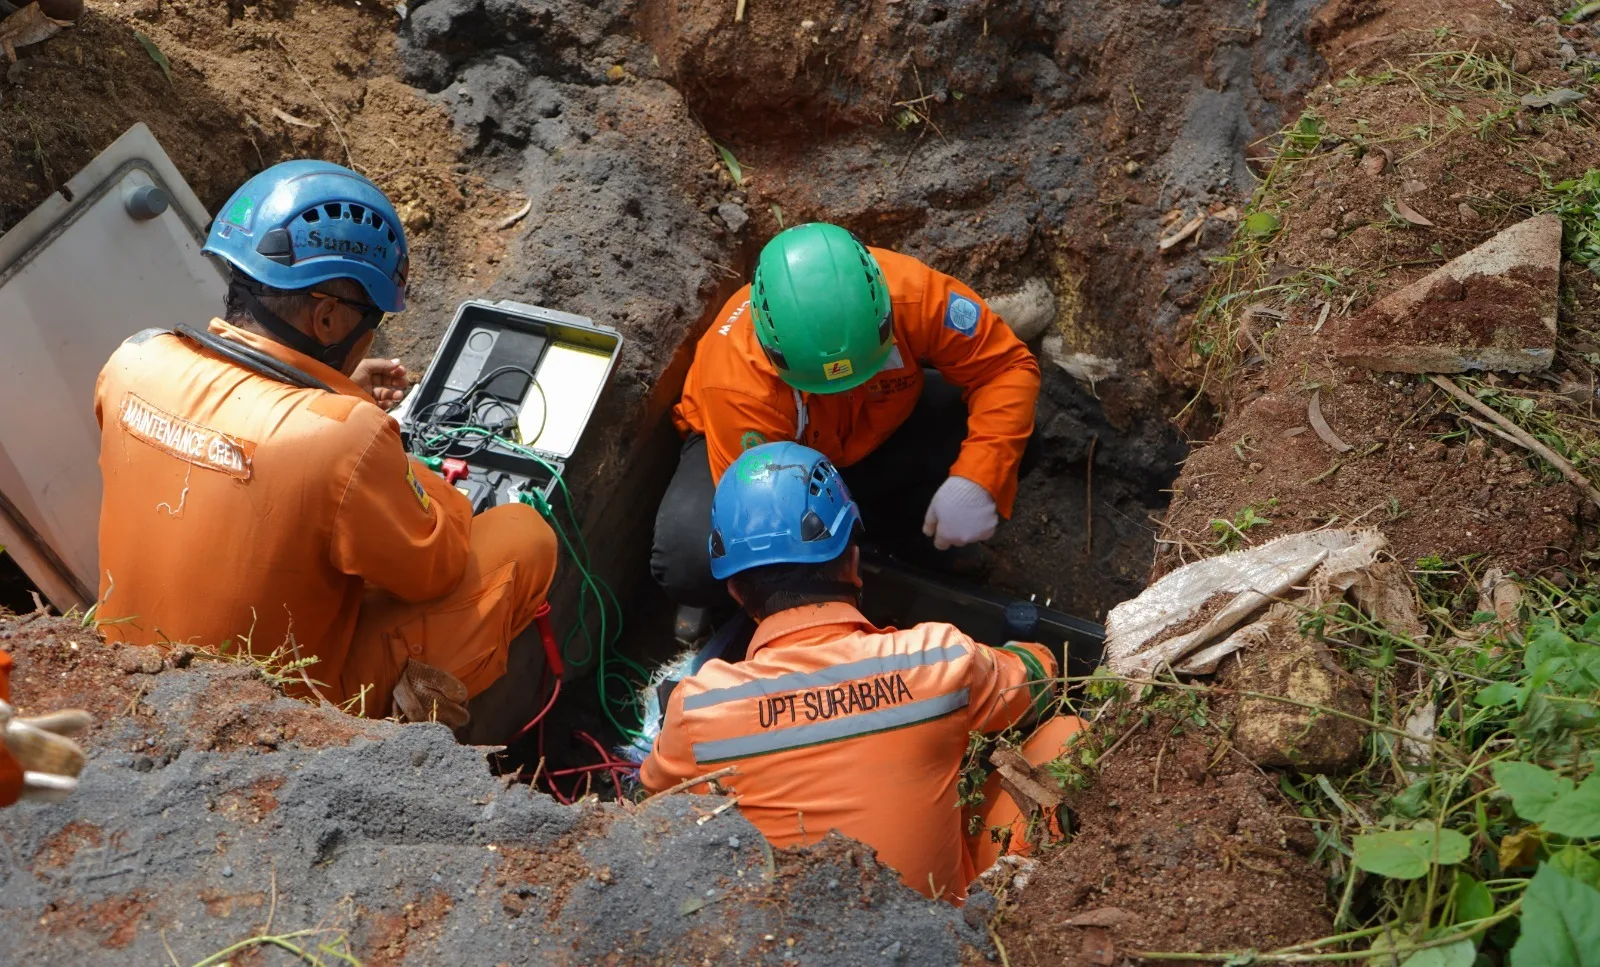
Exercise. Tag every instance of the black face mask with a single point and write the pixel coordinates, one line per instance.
(334, 355)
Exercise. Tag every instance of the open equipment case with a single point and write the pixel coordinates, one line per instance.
(507, 397)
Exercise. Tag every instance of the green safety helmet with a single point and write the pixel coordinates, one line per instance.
(821, 309)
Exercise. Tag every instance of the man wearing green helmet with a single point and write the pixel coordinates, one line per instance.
(901, 375)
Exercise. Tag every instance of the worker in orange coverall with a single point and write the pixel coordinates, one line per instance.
(828, 346)
(39, 762)
(255, 489)
(830, 722)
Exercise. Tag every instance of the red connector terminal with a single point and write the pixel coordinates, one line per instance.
(454, 469)
(547, 634)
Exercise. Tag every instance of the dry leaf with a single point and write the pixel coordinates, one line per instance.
(1560, 97)
(1518, 849)
(1410, 214)
(1182, 234)
(1229, 214)
(1171, 216)
(288, 118)
(1322, 317)
(1321, 426)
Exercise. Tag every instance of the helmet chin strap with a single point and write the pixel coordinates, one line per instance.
(334, 355)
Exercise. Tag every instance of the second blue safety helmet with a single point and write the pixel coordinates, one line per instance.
(779, 503)
(301, 223)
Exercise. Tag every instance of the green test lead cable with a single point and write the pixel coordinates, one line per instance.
(599, 646)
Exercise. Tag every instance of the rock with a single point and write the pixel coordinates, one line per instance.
(1081, 366)
(1374, 163)
(1328, 234)
(414, 216)
(732, 216)
(1467, 212)
(1028, 311)
(1549, 153)
(1493, 308)
(137, 660)
(1278, 735)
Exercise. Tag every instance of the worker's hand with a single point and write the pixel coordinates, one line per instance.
(45, 752)
(383, 379)
(961, 513)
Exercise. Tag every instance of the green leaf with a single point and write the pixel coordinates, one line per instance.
(155, 54)
(1262, 223)
(1459, 954)
(1411, 802)
(1500, 693)
(1533, 790)
(1473, 899)
(1406, 854)
(1577, 813)
(732, 163)
(1560, 922)
(1578, 864)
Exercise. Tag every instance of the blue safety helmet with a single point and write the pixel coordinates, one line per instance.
(779, 503)
(302, 223)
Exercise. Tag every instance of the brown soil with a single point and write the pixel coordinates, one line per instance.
(238, 712)
(251, 85)
(1181, 845)
(61, 664)
(543, 876)
(59, 849)
(1432, 483)
(251, 803)
(386, 935)
(116, 918)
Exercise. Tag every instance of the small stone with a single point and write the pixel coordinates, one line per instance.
(833, 884)
(1329, 234)
(1132, 168)
(143, 763)
(419, 758)
(1350, 220)
(1467, 212)
(1412, 187)
(892, 952)
(1549, 153)
(732, 216)
(733, 842)
(1374, 163)
(227, 871)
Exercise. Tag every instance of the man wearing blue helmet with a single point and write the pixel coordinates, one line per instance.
(833, 723)
(255, 490)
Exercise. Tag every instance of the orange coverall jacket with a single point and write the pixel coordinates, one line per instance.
(734, 395)
(10, 771)
(835, 724)
(237, 505)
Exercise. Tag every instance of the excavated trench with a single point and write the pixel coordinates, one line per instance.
(1036, 149)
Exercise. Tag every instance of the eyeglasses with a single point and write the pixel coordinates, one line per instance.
(371, 315)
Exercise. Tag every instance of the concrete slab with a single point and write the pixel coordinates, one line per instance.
(1493, 308)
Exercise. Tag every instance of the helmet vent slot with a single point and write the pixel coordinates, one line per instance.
(311, 215)
(812, 527)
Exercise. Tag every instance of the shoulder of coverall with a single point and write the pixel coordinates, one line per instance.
(906, 276)
(729, 356)
(821, 617)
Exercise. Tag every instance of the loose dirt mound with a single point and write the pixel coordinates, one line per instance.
(1181, 844)
(249, 86)
(390, 843)
(1433, 124)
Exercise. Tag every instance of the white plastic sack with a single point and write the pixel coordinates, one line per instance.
(1138, 638)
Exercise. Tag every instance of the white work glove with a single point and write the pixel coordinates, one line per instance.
(42, 746)
(961, 513)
